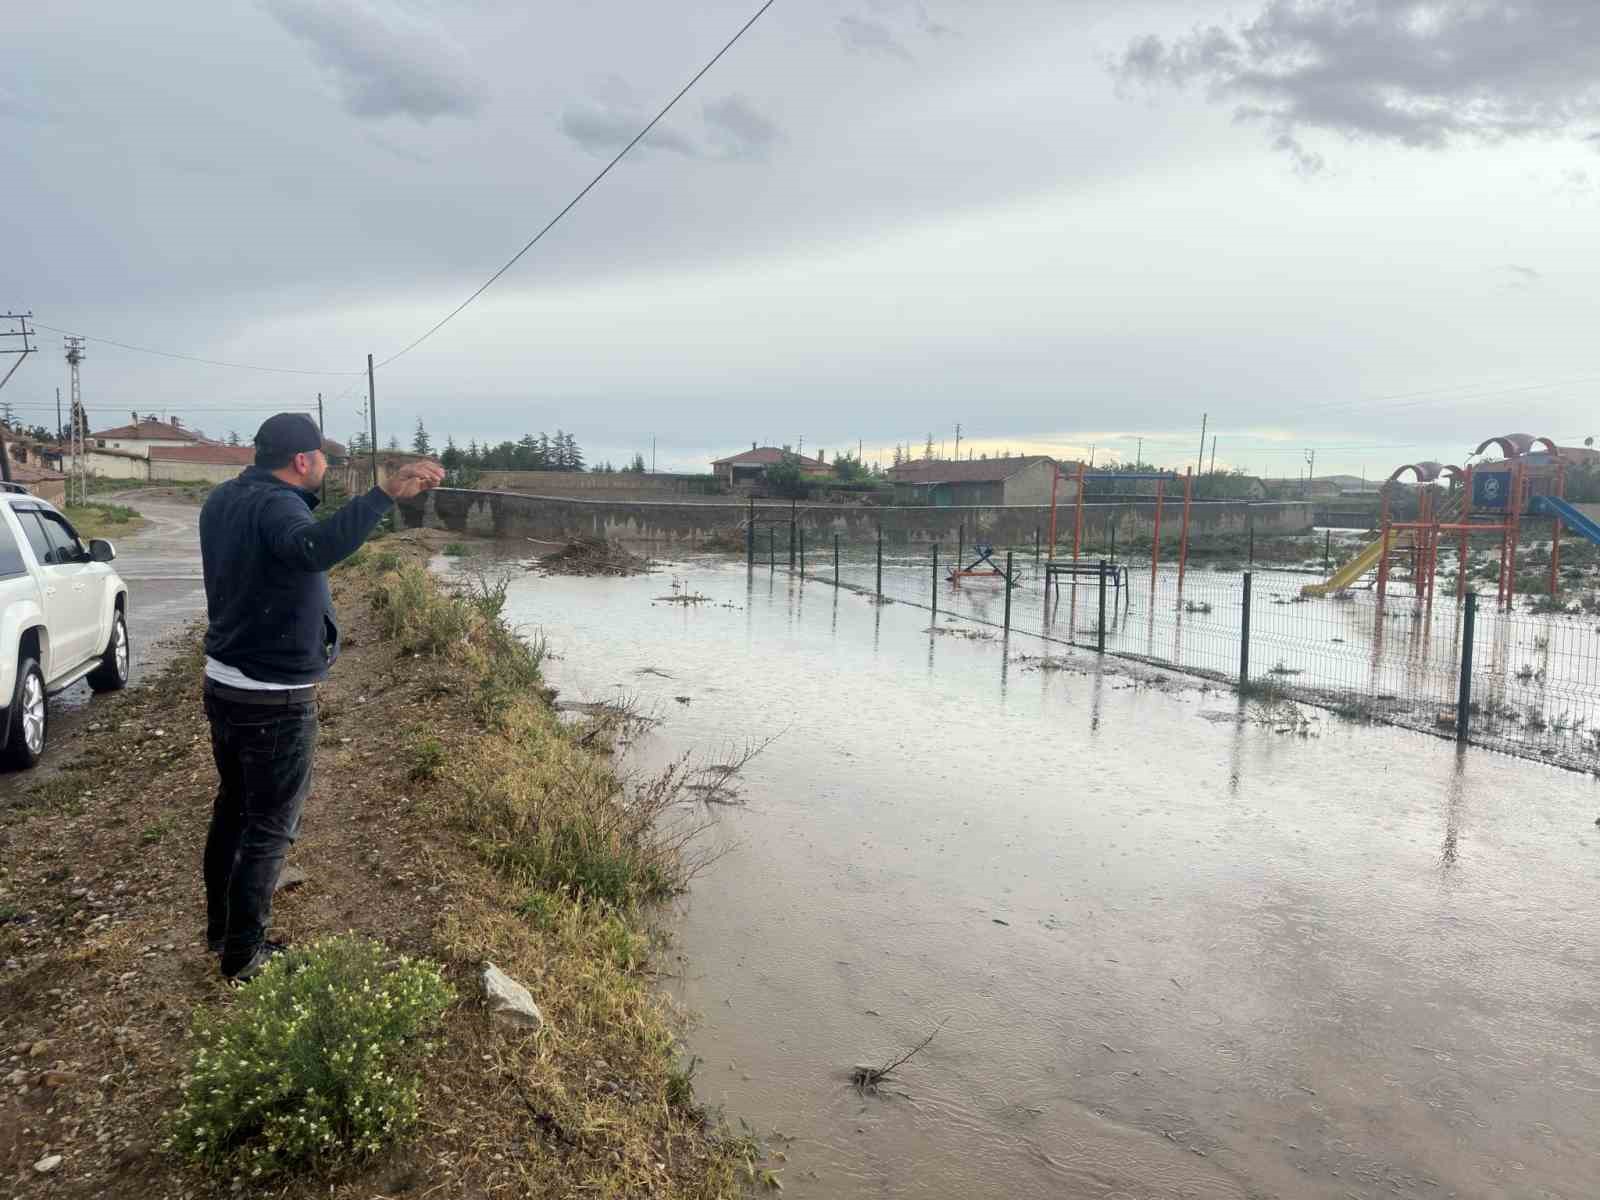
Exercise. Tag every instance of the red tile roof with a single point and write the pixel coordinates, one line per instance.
(977, 470)
(150, 430)
(767, 456)
(231, 456)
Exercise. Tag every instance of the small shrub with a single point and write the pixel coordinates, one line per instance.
(427, 759)
(455, 550)
(310, 1062)
(680, 1083)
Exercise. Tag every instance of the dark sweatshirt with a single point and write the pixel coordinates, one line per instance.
(266, 560)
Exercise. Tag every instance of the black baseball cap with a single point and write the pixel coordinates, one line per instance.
(284, 435)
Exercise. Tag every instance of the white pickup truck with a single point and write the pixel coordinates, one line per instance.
(63, 617)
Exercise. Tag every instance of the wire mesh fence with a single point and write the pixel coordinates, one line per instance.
(1533, 679)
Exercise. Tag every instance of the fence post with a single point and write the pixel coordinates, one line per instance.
(1464, 698)
(880, 560)
(801, 534)
(1035, 543)
(750, 536)
(793, 525)
(1100, 633)
(836, 560)
(1244, 638)
(961, 544)
(1252, 541)
(1008, 592)
(772, 547)
(1327, 549)
(936, 581)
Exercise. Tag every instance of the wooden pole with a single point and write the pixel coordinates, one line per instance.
(1077, 525)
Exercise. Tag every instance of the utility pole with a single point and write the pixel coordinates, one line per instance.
(1311, 468)
(958, 441)
(652, 454)
(58, 416)
(80, 469)
(372, 416)
(24, 333)
(1213, 454)
(323, 434)
(1138, 455)
(1200, 464)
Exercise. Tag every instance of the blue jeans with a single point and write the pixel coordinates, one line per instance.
(263, 754)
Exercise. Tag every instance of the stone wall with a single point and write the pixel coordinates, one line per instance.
(557, 518)
(612, 485)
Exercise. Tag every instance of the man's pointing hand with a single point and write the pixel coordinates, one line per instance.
(413, 479)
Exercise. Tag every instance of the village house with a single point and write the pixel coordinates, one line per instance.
(1017, 479)
(751, 465)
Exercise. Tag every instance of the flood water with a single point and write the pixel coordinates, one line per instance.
(1170, 949)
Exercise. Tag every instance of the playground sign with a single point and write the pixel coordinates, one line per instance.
(1491, 489)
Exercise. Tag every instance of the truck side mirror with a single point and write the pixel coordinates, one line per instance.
(101, 550)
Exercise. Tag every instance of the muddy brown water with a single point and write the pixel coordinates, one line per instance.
(1175, 952)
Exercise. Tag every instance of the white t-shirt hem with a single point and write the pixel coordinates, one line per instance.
(221, 672)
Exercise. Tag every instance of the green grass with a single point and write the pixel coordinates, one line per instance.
(97, 520)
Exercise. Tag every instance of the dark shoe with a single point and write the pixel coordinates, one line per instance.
(214, 945)
(264, 954)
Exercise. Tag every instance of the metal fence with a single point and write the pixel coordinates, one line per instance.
(1523, 682)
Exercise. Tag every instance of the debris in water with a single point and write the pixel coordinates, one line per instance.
(592, 556)
(867, 1077)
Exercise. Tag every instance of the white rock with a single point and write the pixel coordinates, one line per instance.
(509, 1002)
(47, 1164)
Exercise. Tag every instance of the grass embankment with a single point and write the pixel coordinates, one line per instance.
(101, 520)
(455, 819)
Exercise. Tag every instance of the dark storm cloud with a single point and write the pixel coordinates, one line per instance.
(1422, 73)
(739, 129)
(603, 129)
(871, 37)
(733, 129)
(384, 61)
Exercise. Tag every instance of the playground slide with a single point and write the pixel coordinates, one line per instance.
(1368, 558)
(1349, 573)
(1554, 506)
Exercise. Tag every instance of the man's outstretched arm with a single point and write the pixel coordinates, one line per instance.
(310, 545)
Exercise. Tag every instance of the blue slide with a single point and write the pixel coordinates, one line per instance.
(1554, 506)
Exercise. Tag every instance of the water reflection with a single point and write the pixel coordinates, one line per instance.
(1224, 968)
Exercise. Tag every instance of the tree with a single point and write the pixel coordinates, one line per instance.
(452, 459)
(847, 469)
(360, 443)
(421, 443)
(927, 451)
(394, 442)
(899, 458)
(233, 437)
(636, 467)
(786, 479)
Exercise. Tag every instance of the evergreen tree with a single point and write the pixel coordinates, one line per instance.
(421, 443)
(636, 467)
(544, 451)
(472, 452)
(452, 459)
(394, 442)
(233, 437)
(360, 443)
(927, 451)
(574, 455)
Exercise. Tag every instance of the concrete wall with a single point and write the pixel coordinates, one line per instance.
(113, 466)
(618, 485)
(1031, 485)
(556, 518)
(192, 472)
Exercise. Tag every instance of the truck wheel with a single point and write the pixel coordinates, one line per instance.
(112, 673)
(30, 711)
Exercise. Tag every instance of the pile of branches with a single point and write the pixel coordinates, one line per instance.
(592, 556)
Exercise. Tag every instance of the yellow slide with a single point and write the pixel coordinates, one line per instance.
(1349, 573)
(1358, 566)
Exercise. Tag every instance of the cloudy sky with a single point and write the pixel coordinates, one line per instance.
(1365, 226)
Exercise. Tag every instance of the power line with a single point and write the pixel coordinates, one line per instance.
(587, 188)
(210, 362)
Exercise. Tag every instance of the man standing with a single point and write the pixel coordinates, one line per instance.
(271, 639)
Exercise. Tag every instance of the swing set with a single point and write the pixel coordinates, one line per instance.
(1083, 476)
